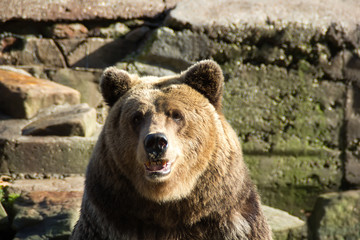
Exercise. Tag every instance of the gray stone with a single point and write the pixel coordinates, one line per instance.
(176, 50)
(221, 17)
(13, 69)
(58, 10)
(115, 30)
(86, 81)
(23, 96)
(284, 226)
(75, 120)
(46, 215)
(352, 165)
(38, 52)
(336, 216)
(143, 69)
(100, 52)
(48, 154)
(90, 53)
(352, 117)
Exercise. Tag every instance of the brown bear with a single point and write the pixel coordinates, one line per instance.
(167, 164)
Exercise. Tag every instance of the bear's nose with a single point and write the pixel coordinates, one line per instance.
(155, 145)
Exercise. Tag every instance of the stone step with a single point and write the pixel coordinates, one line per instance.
(49, 154)
(76, 120)
(49, 208)
(45, 154)
(22, 96)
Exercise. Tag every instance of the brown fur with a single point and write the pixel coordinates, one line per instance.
(207, 195)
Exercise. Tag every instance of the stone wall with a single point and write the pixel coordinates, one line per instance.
(292, 72)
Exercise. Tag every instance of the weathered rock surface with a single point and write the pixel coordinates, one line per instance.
(222, 17)
(86, 81)
(289, 126)
(46, 215)
(144, 69)
(336, 216)
(75, 120)
(48, 154)
(23, 96)
(285, 226)
(176, 50)
(43, 202)
(100, 52)
(37, 51)
(73, 30)
(73, 184)
(352, 162)
(58, 10)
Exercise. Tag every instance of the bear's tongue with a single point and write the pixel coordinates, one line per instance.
(155, 165)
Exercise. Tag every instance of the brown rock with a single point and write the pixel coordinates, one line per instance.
(68, 184)
(38, 52)
(39, 10)
(74, 30)
(23, 96)
(46, 215)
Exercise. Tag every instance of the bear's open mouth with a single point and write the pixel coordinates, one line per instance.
(157, 168)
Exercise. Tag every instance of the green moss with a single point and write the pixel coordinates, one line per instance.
(269, 103)
(336, 216)
(289, 125)
(8, 201)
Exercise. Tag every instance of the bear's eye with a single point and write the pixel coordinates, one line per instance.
(137, 118)
(176, 115)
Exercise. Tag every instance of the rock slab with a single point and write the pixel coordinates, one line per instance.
(22, 96)
(336, 216)
(57, 10)
(58, 155)
(46, 215)
(76, 120)
(215, 16)
(284, 225)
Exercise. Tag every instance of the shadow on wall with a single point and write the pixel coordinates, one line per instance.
(109, 53)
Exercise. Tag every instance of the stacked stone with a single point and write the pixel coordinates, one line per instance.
(292, 71)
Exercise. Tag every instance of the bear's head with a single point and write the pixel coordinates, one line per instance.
(162, 132)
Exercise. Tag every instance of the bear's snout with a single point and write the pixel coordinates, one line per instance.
(155, 145)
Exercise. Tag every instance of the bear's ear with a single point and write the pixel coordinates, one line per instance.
(207, 78)
(113, 84)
